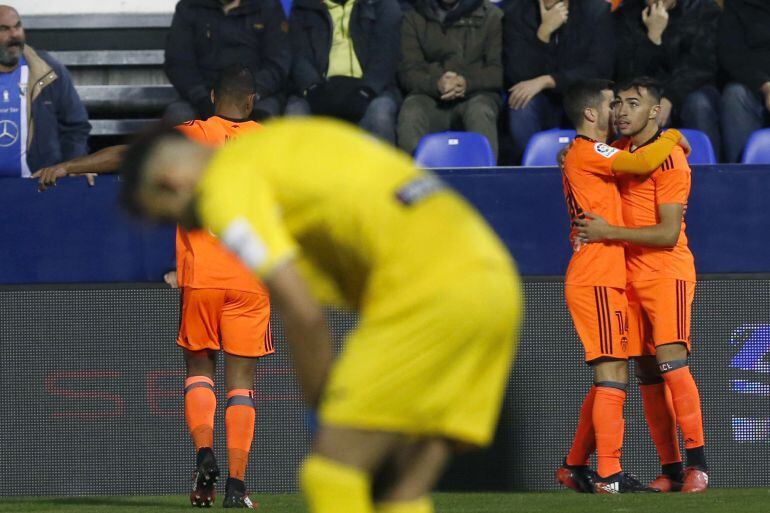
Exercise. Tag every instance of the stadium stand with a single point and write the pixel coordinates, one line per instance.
(454, 149)
(543, 147)
(116, 62)
(702, 150)
(758, 148)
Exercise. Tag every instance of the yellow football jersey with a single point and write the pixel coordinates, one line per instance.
(438, 294)
(357, 214)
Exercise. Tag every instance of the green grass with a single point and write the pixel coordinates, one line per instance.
(745, 500)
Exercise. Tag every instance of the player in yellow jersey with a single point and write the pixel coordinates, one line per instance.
(324, 214)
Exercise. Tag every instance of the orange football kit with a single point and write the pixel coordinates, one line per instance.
(596, 276)
(661, 289)
(661, 281)
(595, 286)
(224, 306)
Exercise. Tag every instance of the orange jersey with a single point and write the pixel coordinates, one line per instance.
(201, 260)
(640, 197)
(590, 186)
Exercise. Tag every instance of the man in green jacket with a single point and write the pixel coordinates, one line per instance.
(451, 69)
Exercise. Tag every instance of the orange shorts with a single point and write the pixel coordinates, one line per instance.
(239, 320)
(659, 312)
(599, 315)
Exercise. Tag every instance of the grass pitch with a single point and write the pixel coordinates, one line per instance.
(745, 500)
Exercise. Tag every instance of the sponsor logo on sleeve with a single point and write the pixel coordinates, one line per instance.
(604, 150)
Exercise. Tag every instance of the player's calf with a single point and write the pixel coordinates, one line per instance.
(686, 401)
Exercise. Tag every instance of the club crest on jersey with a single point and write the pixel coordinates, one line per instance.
(604, 150)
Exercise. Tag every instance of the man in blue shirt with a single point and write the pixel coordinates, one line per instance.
(42, 121)
(13, 116)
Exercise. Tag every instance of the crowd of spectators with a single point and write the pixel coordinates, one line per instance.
(403, 70)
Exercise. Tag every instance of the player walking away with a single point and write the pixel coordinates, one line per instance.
(224, 306)
(595, 283)
(325, 214)
(661, 287)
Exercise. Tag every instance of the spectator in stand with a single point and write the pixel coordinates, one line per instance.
(345, 58)
(451, 69)
(42, 120)
(207, 36)
(548, 46)
(744, 54)
(674, 41)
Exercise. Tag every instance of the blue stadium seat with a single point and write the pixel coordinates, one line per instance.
(758, 148)
(454, 149)
(702, 151)
(543, 147)
(286, 4)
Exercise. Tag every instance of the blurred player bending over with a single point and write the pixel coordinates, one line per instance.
(595, 285)
(661, 287)
(223, 305)
(324, 214)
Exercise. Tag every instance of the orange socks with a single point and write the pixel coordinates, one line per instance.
(661, 420)
(239, 420)
(584, 443)
(200, 404)
(609, 426)
(686, 398)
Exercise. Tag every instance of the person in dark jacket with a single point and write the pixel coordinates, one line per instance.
(207, 36)
(674, 41)
(345, 54)
(548, 46)
(42, 120)
(744, 55)
(451, 69)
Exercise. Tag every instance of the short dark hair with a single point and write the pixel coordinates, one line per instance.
(582, 95)
(234, 82)
(134, 162)
(652, 86)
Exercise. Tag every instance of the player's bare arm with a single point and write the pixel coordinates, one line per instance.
(306, 330)
(665, 234)
(105, 161)
(648, 159)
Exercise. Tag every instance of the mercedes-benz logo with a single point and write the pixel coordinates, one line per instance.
(9, 133)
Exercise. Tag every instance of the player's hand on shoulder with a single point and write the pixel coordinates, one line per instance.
(592, 228)
(685, 144)
(171, 279)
